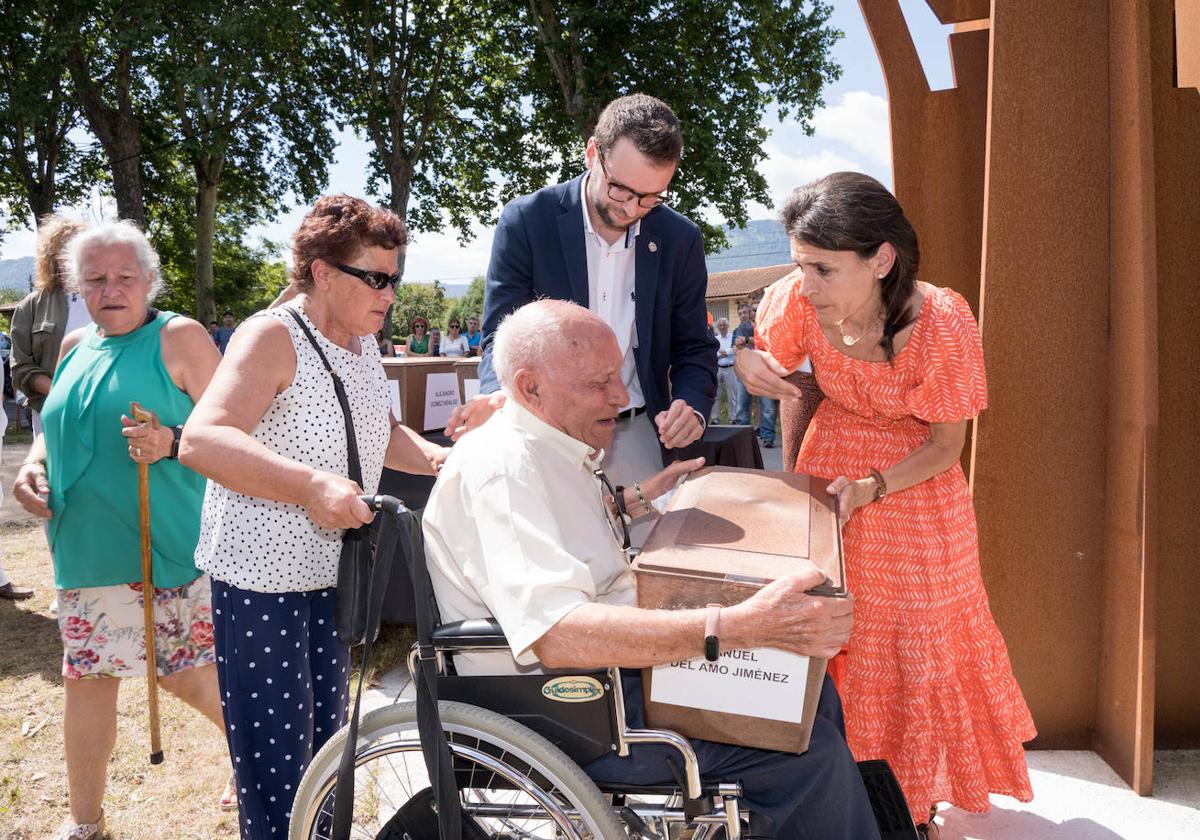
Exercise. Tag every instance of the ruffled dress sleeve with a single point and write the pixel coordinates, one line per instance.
(952, 385)
(782, 315)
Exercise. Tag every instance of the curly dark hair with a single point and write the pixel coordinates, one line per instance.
(648, 123)
(849, 211)
(338, 228)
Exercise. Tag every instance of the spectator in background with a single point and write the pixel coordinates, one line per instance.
(768, 408)
(45, 315)
(473, 335)
(386, 348)
(5, 349)
(417, 343)
(225, 331)
(727, 382)
(743, 336)
(213, 326)
(455, 344)
(435, 342)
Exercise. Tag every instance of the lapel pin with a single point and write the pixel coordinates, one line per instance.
(653, 247)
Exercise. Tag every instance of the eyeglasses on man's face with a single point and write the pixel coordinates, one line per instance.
(620, 193)
(618, 521)
(377, 280)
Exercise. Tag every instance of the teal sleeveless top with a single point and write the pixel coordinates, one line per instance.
(93, 529)
(419, 345)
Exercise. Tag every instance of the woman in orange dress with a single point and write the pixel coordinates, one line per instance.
(925, 679)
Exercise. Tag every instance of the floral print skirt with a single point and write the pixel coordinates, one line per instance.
(104, 633)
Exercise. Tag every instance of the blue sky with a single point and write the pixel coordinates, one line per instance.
(851, 132)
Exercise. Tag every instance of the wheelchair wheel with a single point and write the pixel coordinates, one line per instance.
(513, 782)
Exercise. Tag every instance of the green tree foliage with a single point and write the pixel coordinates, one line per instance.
(719, 64)
(247, 108)
(428, 300)
(40, 164)
(470, 304)
(434, 87)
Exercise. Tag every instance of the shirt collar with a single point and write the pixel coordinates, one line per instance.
(630, 235)
(576, 451)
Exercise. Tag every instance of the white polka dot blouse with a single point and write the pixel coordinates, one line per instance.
(269, 546)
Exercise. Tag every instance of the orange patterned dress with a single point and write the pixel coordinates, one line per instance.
(925, 679)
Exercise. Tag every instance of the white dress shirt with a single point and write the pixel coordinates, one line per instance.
(514, 529)
(724, 348)
(611, 292)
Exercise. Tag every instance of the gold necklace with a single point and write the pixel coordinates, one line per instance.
(850, 341)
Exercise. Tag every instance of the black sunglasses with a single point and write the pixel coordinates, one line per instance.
(375, 279)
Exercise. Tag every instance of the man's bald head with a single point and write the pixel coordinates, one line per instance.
(563, 363)
(547, 331)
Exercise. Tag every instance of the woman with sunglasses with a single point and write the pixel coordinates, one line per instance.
(455, 343)
(271, 437)
(417, 343)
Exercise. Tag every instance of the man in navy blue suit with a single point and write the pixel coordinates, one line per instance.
(606, 240)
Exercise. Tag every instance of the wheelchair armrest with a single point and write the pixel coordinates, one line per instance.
(478, 633)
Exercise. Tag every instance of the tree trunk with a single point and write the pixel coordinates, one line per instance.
(118, 129)
(400, 175)
(206, 214)
(126, 164)
(41, 201)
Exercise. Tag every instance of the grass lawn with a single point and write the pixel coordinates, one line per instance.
(176, 799)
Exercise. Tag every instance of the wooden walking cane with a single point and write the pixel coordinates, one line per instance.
(143, 416)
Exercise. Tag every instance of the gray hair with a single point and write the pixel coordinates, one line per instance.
(123, 232)
(538, 332)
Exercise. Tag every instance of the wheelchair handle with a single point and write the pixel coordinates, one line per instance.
(389, 504)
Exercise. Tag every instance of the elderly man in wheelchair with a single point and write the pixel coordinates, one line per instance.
(541, 699)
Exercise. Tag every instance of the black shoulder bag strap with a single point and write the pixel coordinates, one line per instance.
(436, 751)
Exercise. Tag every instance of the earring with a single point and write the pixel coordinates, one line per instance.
(878, 276)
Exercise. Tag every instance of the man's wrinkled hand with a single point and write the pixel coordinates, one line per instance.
(474, 413)
(678, 426)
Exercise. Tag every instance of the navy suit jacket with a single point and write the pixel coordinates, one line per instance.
(539, 251)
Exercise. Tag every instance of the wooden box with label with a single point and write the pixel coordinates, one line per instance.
(728, 532)
(423, 390)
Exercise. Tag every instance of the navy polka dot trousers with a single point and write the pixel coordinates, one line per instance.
(283, 680)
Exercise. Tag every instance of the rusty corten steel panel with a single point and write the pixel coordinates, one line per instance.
(1176, 59)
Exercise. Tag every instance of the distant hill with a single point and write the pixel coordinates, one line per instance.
(15, 274)
(760, 243)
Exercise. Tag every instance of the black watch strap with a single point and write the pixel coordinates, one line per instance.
(712, 632)
(177, 433)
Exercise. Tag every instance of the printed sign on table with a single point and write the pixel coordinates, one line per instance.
(397, 410)
(470, 389)
(441, 398)
(761, 683)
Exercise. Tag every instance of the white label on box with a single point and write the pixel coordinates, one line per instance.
(762, 683)
(470, 389)
(397, 411)
(441, 398)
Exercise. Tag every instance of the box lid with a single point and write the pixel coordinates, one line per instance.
(747, 525)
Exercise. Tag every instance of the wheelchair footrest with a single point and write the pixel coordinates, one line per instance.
(887, 801)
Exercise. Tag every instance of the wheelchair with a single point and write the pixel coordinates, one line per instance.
(518, 743)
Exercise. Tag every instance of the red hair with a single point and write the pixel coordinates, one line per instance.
(337, 229)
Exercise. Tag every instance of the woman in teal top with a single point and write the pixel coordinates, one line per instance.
(418, 339)
(81, 474)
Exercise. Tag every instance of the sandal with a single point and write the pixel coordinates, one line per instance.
(228, 800)
(929, 830)
(81, 831)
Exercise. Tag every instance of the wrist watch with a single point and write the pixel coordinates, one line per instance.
(176, 434)
(712, 632)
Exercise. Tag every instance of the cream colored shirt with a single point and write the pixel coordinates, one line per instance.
(514, 529)
(611, 293)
